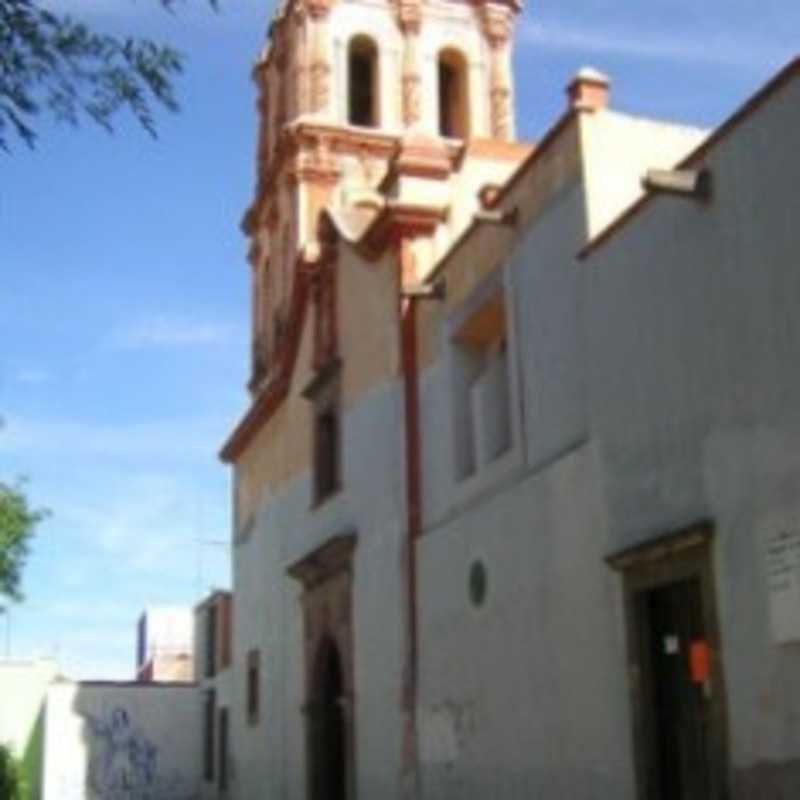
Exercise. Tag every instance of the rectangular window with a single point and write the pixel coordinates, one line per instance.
(211, 640)
(209, 717)
(326, 452)
(481, 396)
(253, 693)
(323, 393)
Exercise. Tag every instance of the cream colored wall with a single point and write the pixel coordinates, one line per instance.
(619, 149)
(281, 451)
(368, 295)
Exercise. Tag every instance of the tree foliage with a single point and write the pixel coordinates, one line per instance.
(10, 775)
(51, 63)
(17, 524)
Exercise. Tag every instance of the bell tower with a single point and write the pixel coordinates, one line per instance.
(347, 90)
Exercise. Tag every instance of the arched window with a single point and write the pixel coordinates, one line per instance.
(362, 70)
(453, 95)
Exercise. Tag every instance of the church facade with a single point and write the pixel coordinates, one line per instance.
(513, 504)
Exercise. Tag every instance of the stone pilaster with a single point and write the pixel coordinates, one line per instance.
(497, 26)
(320, 60)
(410, 21)
(301, 66)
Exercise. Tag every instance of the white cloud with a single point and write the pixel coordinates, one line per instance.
(721, 50)
(167, 332)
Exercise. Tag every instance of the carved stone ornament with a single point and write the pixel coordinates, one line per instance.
(412, 98)
(497, 25)
(501, 112)
(332, 557)
(320, 85)
(409, 16)
(318, 8)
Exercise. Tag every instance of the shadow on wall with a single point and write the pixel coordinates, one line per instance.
(122, 756)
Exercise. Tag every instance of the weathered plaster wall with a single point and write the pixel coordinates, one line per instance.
(508, 705)
(268, 615)
(106, 741)
(528, 695)
(692, 346)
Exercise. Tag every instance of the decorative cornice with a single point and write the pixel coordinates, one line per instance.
(399, 220)
(317, 9)
(667, 545)
(409, 16)
(308, 149)
(420, 156)
(335, 555)
(498, 23)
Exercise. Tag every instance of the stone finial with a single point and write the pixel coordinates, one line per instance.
(589, 90)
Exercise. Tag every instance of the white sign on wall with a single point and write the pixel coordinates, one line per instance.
(783, 578)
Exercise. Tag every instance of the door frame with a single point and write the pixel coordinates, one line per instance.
(677, 556)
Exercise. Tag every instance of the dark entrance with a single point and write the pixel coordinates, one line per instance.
(676, 690)
(676, 676)
(328, 731)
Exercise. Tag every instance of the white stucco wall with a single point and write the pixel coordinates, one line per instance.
(705, 324)
(106, 741)
(620, 148)
(657, 386)
(23, 685)
(270, 756)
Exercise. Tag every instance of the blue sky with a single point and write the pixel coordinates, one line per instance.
(124, 290)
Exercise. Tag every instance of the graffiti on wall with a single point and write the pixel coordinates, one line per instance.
(124, 764)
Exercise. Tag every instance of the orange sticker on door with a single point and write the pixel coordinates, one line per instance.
(700, 661)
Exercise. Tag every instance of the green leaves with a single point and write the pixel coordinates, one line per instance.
(54, 64)
(17, 524)
(10, 775)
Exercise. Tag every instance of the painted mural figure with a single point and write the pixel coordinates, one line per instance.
(124, 763)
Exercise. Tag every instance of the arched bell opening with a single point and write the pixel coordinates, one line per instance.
(362, 80)
(453, 94)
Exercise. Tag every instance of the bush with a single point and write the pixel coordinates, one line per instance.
(10, 775)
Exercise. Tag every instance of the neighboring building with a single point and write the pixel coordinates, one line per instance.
(23, 687)
(164, 645)
(212, 661)
(121, 741)
(516, 508)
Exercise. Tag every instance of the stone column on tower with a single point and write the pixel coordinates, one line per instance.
(409, 19)
(497, 27)
(320, 66)
(301, 61)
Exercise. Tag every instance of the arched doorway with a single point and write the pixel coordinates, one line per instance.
(327, 726)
